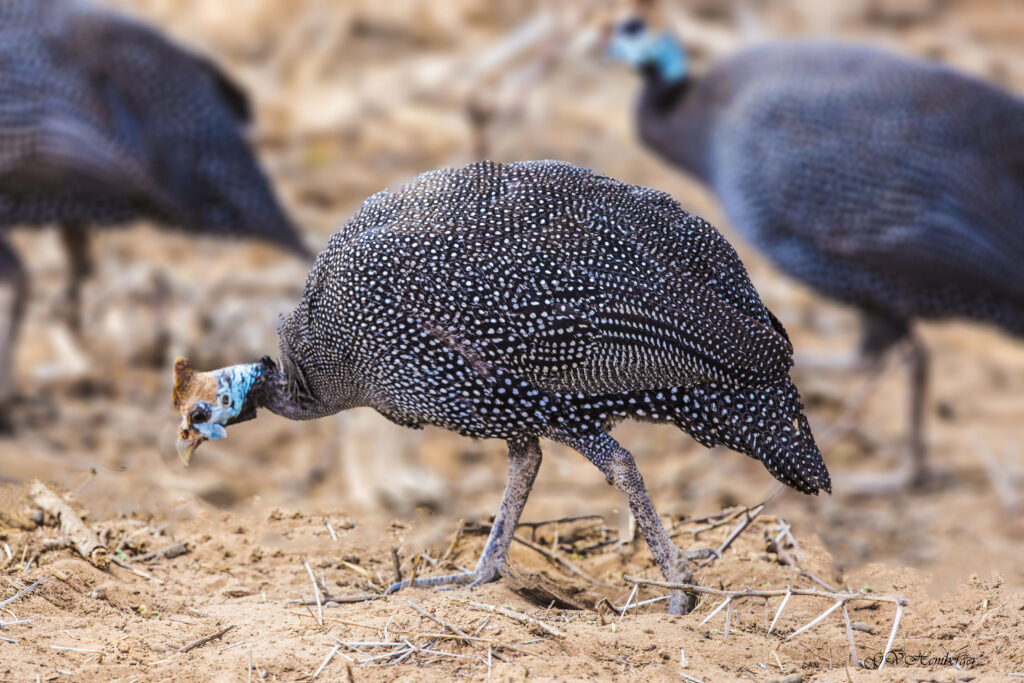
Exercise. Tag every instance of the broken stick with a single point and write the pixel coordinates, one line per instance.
(80, 537)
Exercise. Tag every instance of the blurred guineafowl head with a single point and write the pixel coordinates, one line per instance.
(634, 43)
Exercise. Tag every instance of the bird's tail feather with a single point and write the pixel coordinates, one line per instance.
(767, 423)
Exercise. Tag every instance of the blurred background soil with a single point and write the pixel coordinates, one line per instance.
(355, 96)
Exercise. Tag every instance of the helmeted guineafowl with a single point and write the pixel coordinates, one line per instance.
(891, 184)
(522, 301)
(102, 121)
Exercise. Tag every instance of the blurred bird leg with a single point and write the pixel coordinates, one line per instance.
(918, 360)
(75, 241)
(878, 372)
(913, 471)
(524, 461)
(380, 465)
(998, 475)
(71, 363)
(495, 90)
(13, 279)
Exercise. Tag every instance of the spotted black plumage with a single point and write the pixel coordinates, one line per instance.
(893, 185)
(102, 121)
(536, 300)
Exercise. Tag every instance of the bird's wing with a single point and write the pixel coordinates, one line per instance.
(600, 331)
(938, 198)
(122, 116)
(627, 299)
(121, 54)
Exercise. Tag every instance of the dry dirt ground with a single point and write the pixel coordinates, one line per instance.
(356, 96)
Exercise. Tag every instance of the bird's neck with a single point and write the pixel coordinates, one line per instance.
(664, 93)
(281, 389)
(674, 122)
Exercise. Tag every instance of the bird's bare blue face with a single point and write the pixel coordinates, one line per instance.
(209, 401)
(633, 43)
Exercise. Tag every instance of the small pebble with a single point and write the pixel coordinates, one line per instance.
(862, 627)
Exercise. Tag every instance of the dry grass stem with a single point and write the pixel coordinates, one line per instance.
(892, 634)
(511, 614)
(334, 534)
(632, 594)
(840, 601)
(77, 649)
(778, 612)
(138, 572)
(337, 599)
(327, 660)
(397, 564)
(24, 591)
(461, 635)
(173, 550)
(316, 593)
(205, 639)
(454, 542)
(849, 634)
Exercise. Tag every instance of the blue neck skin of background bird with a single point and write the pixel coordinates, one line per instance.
(234, 383)
(645, 50)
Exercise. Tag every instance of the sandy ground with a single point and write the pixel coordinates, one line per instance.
(358, 96)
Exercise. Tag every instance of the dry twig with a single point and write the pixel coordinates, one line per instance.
(511, 614)
(330, 656)
(461, 635)
(167, 552)
(316, 593)
(840, 600)
(80, 537)
(338, 599)
(24, 591)
(138, 572)
(205, 639)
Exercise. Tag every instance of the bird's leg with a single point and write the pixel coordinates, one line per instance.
(13, 273)
(76, 246)
(917, 358)
(878, 370)
(524, 461)
(913, 471)
(619, 468)
(879, 334)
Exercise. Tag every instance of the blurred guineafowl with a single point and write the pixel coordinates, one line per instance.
(523, 301)
(890, 184)
(102, 121)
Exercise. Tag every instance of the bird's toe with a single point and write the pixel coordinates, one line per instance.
(701, 554)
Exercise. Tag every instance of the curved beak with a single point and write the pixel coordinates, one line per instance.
(189, 387)
(188, 441)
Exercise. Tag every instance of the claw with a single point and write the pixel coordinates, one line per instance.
(468, 579)
(701, 554)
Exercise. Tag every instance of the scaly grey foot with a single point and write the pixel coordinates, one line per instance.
(469, 579)
(701, 554)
